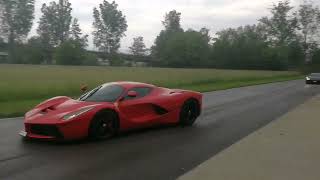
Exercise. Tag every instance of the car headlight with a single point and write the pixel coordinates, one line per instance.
(307, 78)
(76, 113)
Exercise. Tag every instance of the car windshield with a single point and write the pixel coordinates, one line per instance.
(315, 74)
(104, 93)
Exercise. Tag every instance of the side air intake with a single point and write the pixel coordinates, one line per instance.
(159, 110)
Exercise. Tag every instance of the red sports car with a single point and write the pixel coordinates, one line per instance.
(109, 109)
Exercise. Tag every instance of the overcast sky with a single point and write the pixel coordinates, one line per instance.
(144, 16)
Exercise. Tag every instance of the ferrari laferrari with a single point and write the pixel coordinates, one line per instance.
(109, 109)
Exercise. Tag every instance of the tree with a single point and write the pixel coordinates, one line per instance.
(16, 18)
(28, 53)
(54, 25)
(308, 17)
(281, 26)
(172, 27)
(184, 49)
(3, 27)
(35, 53)
(245, 48)
(175, 47)
(90, 59)
(61, 35)
(76, 34)
(109, 27)
(3, 45)
(205, 33)
(280, 30)
(138, 47)
(172, 21)
(69, 52)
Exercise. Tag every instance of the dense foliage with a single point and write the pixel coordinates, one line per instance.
(287, 39)
(275, 43)
(181, 49)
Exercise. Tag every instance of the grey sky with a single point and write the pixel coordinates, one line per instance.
(144, 16)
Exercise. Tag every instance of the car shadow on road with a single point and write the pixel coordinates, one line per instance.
(121, 136)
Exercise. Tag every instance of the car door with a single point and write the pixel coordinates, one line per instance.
(139, 110)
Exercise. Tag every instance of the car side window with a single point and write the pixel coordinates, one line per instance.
(141, 92)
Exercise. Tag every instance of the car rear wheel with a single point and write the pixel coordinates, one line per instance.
(189, 112)
(104, 125)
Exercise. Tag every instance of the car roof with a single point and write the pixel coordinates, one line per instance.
(130, 84)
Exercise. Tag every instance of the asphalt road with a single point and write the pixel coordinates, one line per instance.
(161, 153)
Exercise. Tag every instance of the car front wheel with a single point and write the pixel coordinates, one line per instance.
(189, 112)
(104, 125)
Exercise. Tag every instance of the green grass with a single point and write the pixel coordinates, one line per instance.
(23, 86)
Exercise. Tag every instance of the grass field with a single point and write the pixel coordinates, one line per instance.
(23, 86)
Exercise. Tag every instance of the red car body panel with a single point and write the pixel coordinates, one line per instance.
(133, 114)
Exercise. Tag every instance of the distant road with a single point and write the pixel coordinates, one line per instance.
(158, 154)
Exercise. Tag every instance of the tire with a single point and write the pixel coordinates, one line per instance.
(189, 112)
(25, 139)
(104, 125)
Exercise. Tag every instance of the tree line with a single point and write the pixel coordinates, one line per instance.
(288, 39)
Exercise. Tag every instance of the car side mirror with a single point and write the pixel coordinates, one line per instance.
(132, 94)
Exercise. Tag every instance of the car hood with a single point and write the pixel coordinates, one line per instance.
(53, 111)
